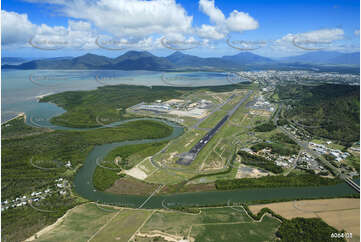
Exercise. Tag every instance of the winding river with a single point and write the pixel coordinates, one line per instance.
(83, 181)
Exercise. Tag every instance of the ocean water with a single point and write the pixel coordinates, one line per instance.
(22, 88)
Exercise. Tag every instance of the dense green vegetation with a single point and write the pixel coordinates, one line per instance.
(329, 111)
(21, 177)
(109, 103)
(281, 149)
(127, 157)
(104, 178)
(282, 138)
(266, 127)
(259, 215)
(17, 224)
(306, 229)
(276, 181)
(299, 229)
(258, 161)
(18, 129)
(354, 161)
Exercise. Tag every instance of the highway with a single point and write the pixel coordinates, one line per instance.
(305, 146)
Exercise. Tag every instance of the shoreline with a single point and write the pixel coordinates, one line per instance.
(17, 116)
(43, 95)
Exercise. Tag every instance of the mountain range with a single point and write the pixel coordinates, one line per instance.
(143, 60)
(326, 57)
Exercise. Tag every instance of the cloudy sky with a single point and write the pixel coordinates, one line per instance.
(51, 28)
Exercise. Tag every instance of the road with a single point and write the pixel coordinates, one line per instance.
(304, 145)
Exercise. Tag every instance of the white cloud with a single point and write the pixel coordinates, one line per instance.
(357, 32)
(312, 40)
(16, 28)
(214, 13)
(236, 22)
(240, 21)
(134, 18)
(322, 35)
(209, 32)
(136, 23)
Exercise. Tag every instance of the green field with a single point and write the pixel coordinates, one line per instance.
(211, 224)
(105, 223)
(256, 232)
(123, 225)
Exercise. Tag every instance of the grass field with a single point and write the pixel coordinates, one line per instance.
(95, 223)
(123, 225)
(211, 224)
(249, 232)
(90, 222)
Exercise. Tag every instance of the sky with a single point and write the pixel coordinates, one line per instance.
(272, 28)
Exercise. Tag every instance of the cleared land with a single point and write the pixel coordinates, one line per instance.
(210, 224)
(130, 185)
(341, 213)
(91, 223)
(249, 232)
(123, 226)
(79, 224)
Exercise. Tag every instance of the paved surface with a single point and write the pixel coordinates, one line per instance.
(189, 157)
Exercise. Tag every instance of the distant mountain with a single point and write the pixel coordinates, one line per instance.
(132, 60)
(325, 57)
(180, 59)
(20, 60)
(346, 58)
(244, 58)
(143, 60)
(57, 58)
(12, 60)
(88, 61)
